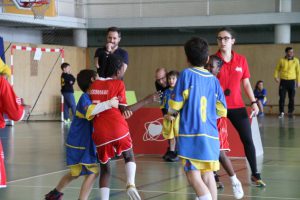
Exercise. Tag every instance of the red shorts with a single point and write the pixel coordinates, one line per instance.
(223, 134)
(2, 168)
(108, 151)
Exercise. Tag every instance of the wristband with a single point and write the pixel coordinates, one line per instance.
(253, 102)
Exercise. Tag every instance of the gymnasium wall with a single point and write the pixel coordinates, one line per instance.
(262, 60)
(30, 76)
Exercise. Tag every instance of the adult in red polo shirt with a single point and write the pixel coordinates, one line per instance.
(233, 73)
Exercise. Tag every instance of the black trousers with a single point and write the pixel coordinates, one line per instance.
(289, 87)
(239, 119)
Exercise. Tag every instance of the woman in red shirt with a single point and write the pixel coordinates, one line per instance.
(234, 73)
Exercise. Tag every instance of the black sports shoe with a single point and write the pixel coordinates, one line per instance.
(54, 195)
(172, 157)
(218, 182)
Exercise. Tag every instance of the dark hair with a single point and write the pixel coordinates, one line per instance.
(288, 49)
(84, 79)
(229, 30)
(196, 51)
(213, 58)
(64, 65)
(113, 64)
(172, 73)
(258, 82)
(113, 29)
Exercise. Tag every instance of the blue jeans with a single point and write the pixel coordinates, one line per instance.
(69, 102)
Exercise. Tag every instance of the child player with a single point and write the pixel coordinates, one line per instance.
(111, 132)
(214, 65)
(11, 105)
(169, 122)
(81, 151)
(67, 82)
(195, 96)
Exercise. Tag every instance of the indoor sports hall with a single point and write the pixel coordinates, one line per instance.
(37, 36)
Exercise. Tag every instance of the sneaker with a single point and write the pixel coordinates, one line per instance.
(261, 114)
(54, 195)
(256, 181)
(220, 185)
(132, 192)
(166, 157)
(167, 152)
(237, 190)
(67, 121)
(281, 115)
(290, 115)
(172, 157)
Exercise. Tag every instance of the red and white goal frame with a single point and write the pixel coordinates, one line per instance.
(34, 49)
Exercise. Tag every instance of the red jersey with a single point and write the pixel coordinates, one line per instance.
(230, 77)
(109, 125)
(10, 104)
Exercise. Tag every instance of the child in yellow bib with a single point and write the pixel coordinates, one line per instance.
(170, 122)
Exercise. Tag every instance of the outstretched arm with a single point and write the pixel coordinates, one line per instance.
(147, 100)
(128, 110)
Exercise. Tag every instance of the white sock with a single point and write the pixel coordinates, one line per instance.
(130, 169)
(205, 197)
(234, 179)
(104, 193)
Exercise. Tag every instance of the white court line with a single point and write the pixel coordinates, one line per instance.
(166, 192)
(287, 148)
(37, 176)
(41, 175)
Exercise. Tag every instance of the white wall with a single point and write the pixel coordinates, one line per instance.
(172, 8)
(70, 8)
(21, 35)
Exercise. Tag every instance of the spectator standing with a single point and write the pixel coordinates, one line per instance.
(287, 74)
(113, 38)
(67, 82)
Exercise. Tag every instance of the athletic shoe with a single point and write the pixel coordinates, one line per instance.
(220, 185)
(54, 195)
(281, 115)
(218, 182)
(67, 121)
(166, 155)
(132, 192)
(172, 157)
(237, 189)
(256, 181)
(261, 114)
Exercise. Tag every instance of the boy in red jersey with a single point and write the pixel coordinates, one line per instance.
(111, 132)
(214, 65)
